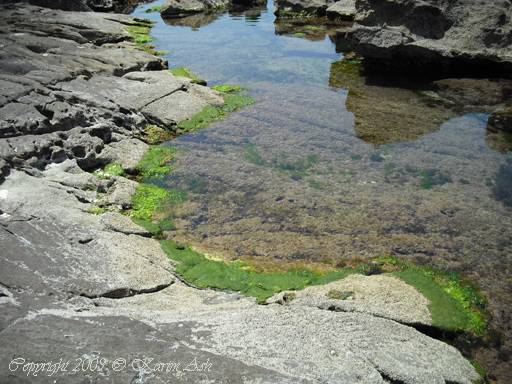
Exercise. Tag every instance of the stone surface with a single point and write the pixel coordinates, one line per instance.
(342, 10)
(81, 90)
(463, 36)
(301, 8)
(75, 285)
(116, 222)
(379, 295)
(181, 8)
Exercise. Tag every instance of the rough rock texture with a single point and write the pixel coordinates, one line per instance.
(93, 290)
(86, 5)
(463, 36)
(380, 295)
(182, 8)
(301, 8)
(177, 9)
(76, 90)
(342, 10)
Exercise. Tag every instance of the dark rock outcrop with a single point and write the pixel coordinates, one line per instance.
(462, 37)
(72, 88)
(301, 8)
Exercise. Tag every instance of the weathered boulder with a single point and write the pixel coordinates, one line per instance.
(465, 37)
(342, 10)
(301, 8)
(379, 295)
(182, 8)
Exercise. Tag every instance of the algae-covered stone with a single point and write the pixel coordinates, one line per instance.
(380, 295)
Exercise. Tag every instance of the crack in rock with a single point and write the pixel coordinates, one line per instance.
(121, 293)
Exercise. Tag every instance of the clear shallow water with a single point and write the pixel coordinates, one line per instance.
(326, 166)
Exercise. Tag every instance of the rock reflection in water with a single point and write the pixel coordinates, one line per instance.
(385, 114)
(194, 21)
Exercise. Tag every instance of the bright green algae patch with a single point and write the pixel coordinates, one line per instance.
(455, 304)
(112, 169)
(150, 200)
(202, 272)
(185, 72)
(140, 35)
(156, 162)
(232, 102)
(227, 88)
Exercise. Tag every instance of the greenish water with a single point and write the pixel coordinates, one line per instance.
(330, 165)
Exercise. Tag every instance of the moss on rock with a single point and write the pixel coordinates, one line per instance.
(156, 162)
(210, 114)
(185, 72)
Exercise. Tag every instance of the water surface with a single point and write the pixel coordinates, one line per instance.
(326, 166)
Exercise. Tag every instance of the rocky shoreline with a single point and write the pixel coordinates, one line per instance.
(428, 38)
(77, 94)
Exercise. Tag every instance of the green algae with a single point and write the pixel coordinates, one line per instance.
(156, 229)
(210, 114)
(150, 200)
(297, 169)
(227, 88)
(114, 170)
(253, 155)
(185, 72)
(153, 134)
(455, 304)
(109, 170)
(147, 200)
(155, 162)
(429, 178)
(140, 35)
(197, 269)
